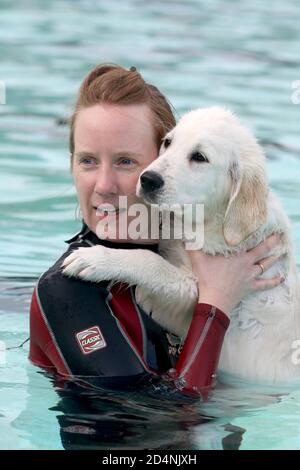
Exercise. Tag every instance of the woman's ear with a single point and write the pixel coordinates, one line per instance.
(247, 207)
(71, 162)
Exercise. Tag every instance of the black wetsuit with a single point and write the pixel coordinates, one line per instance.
(97, 333)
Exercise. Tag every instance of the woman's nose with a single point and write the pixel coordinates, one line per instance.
(106, 182)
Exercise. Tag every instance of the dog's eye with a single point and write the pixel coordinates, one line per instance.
(198, 157)
(167, 142)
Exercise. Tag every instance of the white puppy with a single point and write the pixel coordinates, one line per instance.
(210, 158)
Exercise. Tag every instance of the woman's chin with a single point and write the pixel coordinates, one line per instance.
(120, 229)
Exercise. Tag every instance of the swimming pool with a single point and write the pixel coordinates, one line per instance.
(244, 55)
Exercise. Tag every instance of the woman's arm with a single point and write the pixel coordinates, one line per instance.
(223, 283)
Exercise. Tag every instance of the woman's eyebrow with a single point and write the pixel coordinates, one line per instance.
(127, 153)
(117, 154)
(84, 153)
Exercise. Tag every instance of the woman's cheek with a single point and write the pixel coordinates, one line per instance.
(83, 185)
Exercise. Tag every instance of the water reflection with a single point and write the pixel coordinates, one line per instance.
(140, 419)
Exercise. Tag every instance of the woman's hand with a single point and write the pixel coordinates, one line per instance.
(225, 281)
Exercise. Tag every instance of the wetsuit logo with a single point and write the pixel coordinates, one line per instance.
(90, 340)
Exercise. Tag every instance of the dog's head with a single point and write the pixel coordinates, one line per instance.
(210, 158)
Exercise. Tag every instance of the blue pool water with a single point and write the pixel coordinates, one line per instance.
(241, 54)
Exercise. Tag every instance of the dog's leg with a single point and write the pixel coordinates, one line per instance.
(134, 267)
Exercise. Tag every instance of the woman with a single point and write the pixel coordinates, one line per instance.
(96, 332)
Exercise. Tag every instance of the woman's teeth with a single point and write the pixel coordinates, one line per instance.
(103, 211)
(106, 211)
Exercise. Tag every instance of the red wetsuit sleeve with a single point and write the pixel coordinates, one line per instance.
(198, 361)
(42, 351)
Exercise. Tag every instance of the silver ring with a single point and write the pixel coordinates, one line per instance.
(262, 268)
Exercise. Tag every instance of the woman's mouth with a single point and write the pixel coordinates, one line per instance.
(109, 210)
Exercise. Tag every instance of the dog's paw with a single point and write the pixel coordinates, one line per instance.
(84, 264)
(144, 300)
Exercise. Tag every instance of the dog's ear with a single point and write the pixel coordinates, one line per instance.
(247, 206)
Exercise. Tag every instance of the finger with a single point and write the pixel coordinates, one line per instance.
(196, 257)
(264, 284)
(266, 263)
(194, 253)
(263, 249)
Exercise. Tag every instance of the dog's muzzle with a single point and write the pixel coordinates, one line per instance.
(151, 181)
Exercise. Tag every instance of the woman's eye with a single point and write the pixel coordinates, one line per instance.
(87, 160)
(126, 162)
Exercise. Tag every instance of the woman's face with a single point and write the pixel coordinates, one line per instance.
(113, 145)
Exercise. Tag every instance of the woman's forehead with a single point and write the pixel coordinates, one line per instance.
(129, 125)
(115, 115)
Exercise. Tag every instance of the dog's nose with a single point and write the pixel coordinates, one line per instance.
(151, 181)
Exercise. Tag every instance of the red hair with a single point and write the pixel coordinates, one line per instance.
(110, 83)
